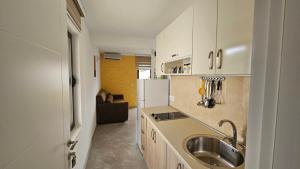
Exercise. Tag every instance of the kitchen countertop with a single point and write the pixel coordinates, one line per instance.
(176, 131)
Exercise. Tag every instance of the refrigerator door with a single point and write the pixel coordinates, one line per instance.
(156, 93)
(140, 89)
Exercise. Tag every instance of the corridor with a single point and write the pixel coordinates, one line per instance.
(114, 146)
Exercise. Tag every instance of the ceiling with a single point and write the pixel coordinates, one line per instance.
(130, 26)
(138, 18)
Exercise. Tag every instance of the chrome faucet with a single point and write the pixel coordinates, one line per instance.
(234, 139)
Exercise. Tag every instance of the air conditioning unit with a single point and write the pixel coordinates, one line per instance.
(112, 55)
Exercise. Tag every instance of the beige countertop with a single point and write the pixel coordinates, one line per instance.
(176, 131)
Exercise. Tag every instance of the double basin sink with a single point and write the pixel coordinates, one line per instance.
(213, 152)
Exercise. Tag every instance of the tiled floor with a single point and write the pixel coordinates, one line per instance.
(114, 147)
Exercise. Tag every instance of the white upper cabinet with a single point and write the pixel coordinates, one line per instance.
(222, 40)
(234, 37)
(161, 46)
(205, 36)
(181, 35)
(216, 34)
(176, 40)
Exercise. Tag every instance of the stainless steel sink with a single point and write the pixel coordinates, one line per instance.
(212, 151)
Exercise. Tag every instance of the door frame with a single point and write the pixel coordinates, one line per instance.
(264, 89)
(72, 28)
(74, 134)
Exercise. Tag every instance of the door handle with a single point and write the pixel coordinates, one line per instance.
(72, 157)
(152, 134)
(72, 144)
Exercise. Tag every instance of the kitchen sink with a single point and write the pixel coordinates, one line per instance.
(213, 152)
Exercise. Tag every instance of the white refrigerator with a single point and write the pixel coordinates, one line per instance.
(150, 93)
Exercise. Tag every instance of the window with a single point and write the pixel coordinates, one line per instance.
(143, 66)
(144, 74)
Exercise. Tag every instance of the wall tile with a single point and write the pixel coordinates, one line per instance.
(236, 96)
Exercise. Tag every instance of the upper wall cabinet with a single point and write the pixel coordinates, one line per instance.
(179, 35)
(222, 41)
(205, 36)
(175, 41)
(234, 36)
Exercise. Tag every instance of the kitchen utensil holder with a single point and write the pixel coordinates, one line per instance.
(211, 78)
(210, 102)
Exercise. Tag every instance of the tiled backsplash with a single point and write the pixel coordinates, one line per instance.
(235, 108)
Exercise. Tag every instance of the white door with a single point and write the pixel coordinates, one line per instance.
(205, 36)
(234, 36)
(32, 50)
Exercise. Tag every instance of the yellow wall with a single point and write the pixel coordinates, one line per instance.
(119, 77)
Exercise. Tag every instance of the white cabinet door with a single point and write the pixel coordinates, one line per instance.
(161, 48)
(204, 36)
(160, 152)
(150, 151)
(176, 40)
(172, 160)
(234, 36)
(181, 35)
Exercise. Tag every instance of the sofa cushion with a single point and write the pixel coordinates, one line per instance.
(103, 94)
(109, 98)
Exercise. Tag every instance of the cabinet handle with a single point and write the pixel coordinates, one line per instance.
(219, 59)
(152, 134)
(161, 67)
(211, 60)
(143, 148)
(178, 166)
(142, 116)
(142, 131)
(154, 137)
(174, 55)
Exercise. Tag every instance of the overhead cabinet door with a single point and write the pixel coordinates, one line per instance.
(205, 36)
(175, 41)
(181, 31)
(222, 40)
(161, 54)
(234, 36)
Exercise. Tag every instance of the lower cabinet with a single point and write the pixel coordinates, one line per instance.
(157, 154)
(173, 162)
(156, 149)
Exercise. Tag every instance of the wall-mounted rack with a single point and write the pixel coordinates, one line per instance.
(211, 78)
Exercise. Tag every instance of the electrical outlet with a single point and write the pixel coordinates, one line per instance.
(172, 98)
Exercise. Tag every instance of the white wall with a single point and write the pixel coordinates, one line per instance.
(89, 89)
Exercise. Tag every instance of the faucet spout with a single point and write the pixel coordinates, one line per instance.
(234, 139)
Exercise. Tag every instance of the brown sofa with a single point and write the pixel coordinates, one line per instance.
(111, 108)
